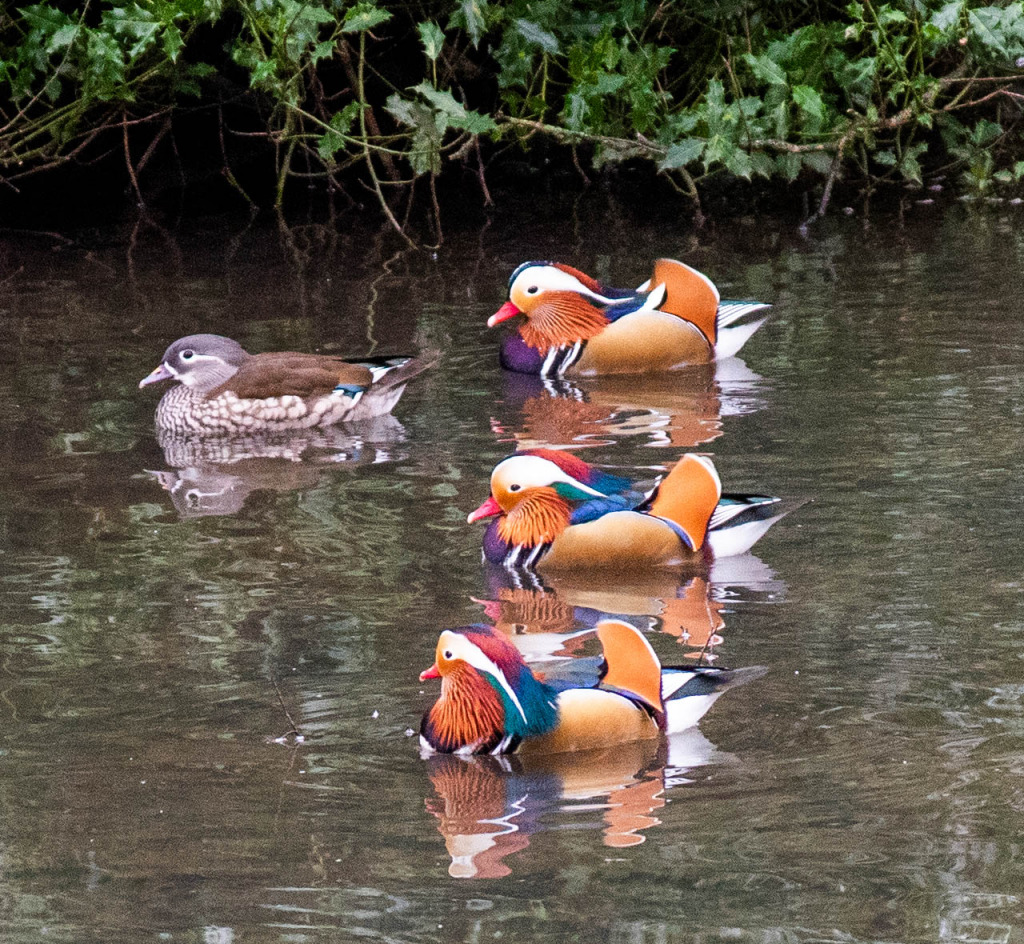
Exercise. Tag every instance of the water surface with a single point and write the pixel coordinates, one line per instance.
(210, 662)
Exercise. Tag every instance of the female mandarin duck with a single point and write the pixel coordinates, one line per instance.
(576, 327)
(222, 389)
(553, 510)
(492, 703)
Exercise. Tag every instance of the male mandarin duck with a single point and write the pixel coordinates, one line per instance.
(576, 327)
(222, 389)
(492, 703)
(554, 510)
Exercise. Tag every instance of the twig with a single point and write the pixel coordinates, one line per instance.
(295, 729)
(128, 159)
(480, 175)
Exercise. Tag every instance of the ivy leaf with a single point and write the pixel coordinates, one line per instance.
(363, 17)
(133, 22)
(322, 50)
(173, 42)
(432, 38)
(532, 33)
(576, 109)
(789, 165)
(766, 69)
(947, 16)
(762, 164)
(821, 161)
(455, 113)
(809, 101)
(62, 38)
(887, 16)
(341, 124)
(738, 162)
(682, 153)
(424, 154)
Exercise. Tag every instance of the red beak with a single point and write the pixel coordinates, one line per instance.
(432, 672)
(488, 509)
(508, 310)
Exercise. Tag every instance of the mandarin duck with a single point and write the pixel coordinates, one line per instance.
(576, 327)
(492, 702)
(221, 389)
(553, 510)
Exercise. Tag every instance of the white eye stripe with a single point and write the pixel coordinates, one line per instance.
(550, 279)
(533, 472)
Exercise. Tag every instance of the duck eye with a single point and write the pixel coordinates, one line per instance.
(514, 488)
(532, 290)
(187, 355)
(447, 654)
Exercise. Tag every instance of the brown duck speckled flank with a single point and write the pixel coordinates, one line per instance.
(221, 389)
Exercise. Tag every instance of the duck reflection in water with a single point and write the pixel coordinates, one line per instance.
(552, 624)
(215, 476)
(488, 808)
(683, 410)
(593, 734)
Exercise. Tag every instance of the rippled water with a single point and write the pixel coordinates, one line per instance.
(209, 663)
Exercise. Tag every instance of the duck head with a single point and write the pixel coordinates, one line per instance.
(201, 361)
(562, 305)
(533, 492)
(490, 700)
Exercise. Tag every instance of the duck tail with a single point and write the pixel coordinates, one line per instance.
(390, 375)
(737, 322)
(686, 499)
(740, 521)
(690, 691)
(689, 294)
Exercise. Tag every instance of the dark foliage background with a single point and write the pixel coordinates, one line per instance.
(383, 101)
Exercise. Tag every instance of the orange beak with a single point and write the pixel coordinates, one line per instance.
(508, 310)
(432, 672)
(488, 509)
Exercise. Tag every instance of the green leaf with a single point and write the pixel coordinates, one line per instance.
(533, 34)
(947, 16)
(455, 113)
(819, 161)
(766, 69)
(789, 165)
(173, 42)
(762, 164)
(887, 16)
(607, 83)
(576, 109)
(682, 153)
(809, 101)
(885, 158)
(363, 17)
(425, 150)
(985, 132)
(738, 162)
(262, 71)
(322, 50)
(341, 124)
(432, 38)
(62, 38)
(470, 16)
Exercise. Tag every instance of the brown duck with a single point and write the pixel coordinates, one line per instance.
(221, 389)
